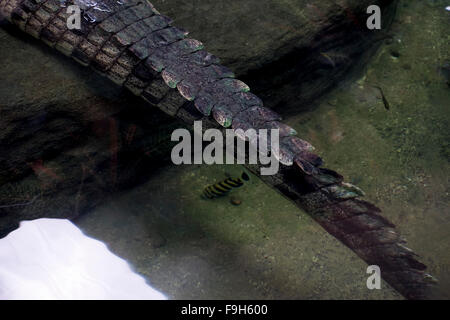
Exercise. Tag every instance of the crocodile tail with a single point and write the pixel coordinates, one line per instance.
(337, 206)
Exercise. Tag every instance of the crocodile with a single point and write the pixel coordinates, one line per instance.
(136, 47)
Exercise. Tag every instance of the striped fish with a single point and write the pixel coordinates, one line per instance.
(222, 188)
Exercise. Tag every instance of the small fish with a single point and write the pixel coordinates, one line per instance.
(383, 97)
(222, 188)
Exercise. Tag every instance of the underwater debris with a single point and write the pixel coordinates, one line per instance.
(222, 188)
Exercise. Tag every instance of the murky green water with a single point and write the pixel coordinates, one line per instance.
(266, 247)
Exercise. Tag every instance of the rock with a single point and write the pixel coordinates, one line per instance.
(278, 47)
(69, 137)
(235, 201)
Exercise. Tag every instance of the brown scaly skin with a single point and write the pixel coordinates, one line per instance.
(132, 44)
